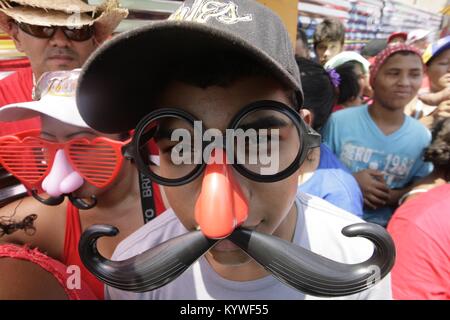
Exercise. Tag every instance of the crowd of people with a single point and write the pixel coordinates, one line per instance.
(362, 137)
(388, 127)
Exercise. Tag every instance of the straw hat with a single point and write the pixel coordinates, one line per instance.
(71, 13)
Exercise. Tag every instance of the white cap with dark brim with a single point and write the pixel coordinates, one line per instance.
(56, 101)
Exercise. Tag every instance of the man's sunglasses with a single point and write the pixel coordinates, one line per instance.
(75, 34)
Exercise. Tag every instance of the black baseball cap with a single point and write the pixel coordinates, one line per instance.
(118, 79)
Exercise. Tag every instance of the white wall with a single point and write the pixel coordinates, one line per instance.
(428, 5)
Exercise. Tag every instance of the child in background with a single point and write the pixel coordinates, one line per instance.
(329, 39)
(354, 87)
(380, 144)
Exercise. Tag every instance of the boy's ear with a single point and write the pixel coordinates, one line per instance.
(307, 116)
(13, 32)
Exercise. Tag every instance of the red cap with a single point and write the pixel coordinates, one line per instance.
(381, 58)
(393, 35)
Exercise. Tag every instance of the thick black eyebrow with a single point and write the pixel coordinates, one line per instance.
(264, 123)
(261, 123)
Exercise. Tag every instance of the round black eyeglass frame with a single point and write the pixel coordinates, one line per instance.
(308, 137)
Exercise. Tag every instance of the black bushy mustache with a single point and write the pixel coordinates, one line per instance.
(148, 271)
(298, 267)
(55, 201)
(314, 274)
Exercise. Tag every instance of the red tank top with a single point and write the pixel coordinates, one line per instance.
(71, 254)
(72, 237)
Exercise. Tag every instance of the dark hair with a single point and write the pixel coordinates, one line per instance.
(216, 68)
(329, 30)
(301, 35)
(318, 90)
(349, 87)
(439, 151)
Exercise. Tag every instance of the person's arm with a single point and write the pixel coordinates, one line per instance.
(396, 194)
(374, 189)
(440, 99)
(421, 269)
(435, 99)
(49, 225)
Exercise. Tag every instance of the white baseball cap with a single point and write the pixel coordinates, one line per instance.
(417, 35)
(54, 96)
(345, 57)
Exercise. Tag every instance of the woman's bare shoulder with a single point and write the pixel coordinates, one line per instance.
(47, 231)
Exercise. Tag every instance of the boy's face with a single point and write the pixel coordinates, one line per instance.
(398, 80)
(326, 50)
(271, 205)
(439, 72)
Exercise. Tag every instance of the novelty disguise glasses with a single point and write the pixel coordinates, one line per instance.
(35, 161)
(58, 168)
(266, 142)
(284, 141)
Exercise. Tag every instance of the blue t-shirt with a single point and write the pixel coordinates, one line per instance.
(358, 142)
(333, 182)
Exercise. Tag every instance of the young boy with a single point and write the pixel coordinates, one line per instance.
(329, 39)
(213, 60)
(380, 144)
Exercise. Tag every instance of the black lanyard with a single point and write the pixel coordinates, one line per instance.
(147, 198)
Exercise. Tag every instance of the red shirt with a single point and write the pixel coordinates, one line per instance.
(13, 89)
(73, 235)
(421, 232)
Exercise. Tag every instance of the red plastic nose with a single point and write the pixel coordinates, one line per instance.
(221, 206)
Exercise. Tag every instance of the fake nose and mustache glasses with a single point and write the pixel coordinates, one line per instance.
(61, 168)
(222, 207)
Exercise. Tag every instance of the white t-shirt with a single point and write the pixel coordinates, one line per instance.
(318, 229)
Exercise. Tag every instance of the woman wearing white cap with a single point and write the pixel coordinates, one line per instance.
(69, 159)
(353, 85)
